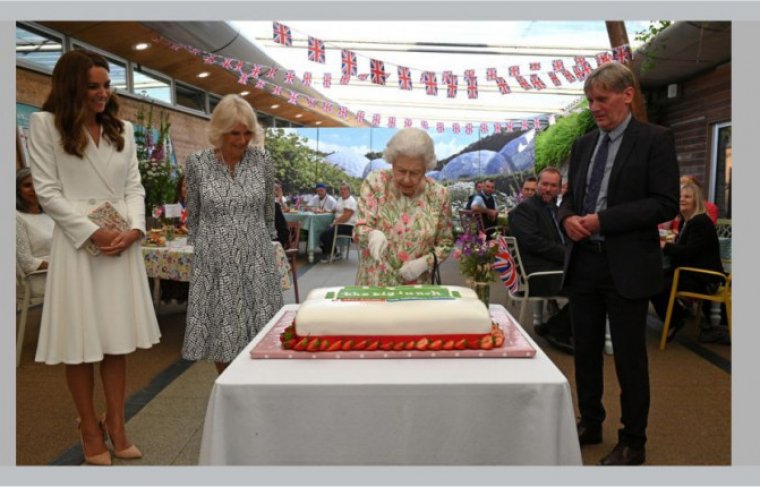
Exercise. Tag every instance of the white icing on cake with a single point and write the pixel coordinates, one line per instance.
(321, 315)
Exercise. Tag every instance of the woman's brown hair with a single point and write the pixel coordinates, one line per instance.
(66, 102)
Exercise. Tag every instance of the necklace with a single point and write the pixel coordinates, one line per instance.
(230, 167)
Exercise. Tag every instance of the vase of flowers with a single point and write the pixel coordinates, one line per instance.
(476, 255)
(159, 176)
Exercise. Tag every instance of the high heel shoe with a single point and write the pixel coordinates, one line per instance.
(103, 459)
(129, 453)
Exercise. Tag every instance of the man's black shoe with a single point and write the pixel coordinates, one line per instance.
(624, 455)
(589, 435)
(561, 344)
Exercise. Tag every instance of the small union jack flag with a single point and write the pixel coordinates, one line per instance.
(293, 98)
(452, 86)
(455, 127)
(271, 73)
(580, 60)
(424, 124)
(281, 33)
(537, 82)
(446, 76)
(348, 62)
(524, 124)
(469, 73)
(431, 84)
(175, 46)
(344, 80)
(468, 128)
(603, 58)
(555, 79)
(290, 77)
(360, 116)
(580, 73)
(256, 71)
(568, 76)
(260, 84)
(327, 106)
(558, 65)
(243, 79)
(194, 51)
(483, 128)
(504, 266)
(391, 122)
(342, 112)
(404, 78)
(327, 80)
(523, 82)
(439, 127)
(407, 123)
(503, 86)
(376, 119)
(316, 50)
(311, 101)
(536, 123)
(472, 88)
(227, 63)
(239, 66)
(277, 90)
(535, 66)
(306, 80)
(497, 127)
(510, 126)
(623, 53)
(490, 74)
(364, 76)
(377, 70)
(514, 71)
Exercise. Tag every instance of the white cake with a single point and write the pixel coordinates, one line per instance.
(392, 318)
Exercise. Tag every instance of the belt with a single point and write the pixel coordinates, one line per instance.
(595, 246)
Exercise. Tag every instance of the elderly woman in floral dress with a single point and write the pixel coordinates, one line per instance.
(403, 217)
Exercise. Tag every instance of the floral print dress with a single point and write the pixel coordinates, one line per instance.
(414, 226)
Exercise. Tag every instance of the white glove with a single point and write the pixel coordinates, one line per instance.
(377, 244)
(412, 269)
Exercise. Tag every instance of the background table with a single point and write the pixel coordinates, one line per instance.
(511, 411)
(175, 262)
(314, 224)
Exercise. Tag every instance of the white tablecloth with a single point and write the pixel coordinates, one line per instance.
(515, 411)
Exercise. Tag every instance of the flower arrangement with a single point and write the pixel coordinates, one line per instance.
(476, 255)
(159, 175)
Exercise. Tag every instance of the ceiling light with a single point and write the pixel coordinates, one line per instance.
(203, 74)
(318, 122)
(275, 106)
(299, 115)
(141, 46)
(245, 93)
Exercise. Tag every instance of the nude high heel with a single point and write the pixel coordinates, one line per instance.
(129, 453)
(101, 459)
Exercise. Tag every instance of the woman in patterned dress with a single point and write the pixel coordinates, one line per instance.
(404, 217)
(234, 286)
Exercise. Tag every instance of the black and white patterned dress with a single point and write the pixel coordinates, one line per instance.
(234, 287)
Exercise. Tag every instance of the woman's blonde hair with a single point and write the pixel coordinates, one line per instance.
(699, 200)
(230, 111)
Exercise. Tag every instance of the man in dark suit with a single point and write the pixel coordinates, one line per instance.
(534, 225)
(614, 264)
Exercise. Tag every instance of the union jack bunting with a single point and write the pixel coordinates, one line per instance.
(194, 51)
(468, 128)
(490, 74)
(348, 62)
(431, 84)
(537, 82)
(555, 79)
(360, 116)
(293, 99)
(483, 128)
(344, 80)
(524, 124)
(407, 123)
(271, 73)
(455, 127)
(277, 90)
(364, 76)
(536, 123)
(311, 101)
(558, 65)
(175, 47)
(306, 80)
(327, 106)
(424, 124)
(439, 127)
(316, 50)
(623, 53)
(580, 60)
(239, 66)
(391, 122)
(497, 127)
(377, 70)
(568, 76)
(290, 77)
(452, 86)
(342, 112)
(243, 79)
(327, 80)
(260, 84)
(446, 76)
(514, 71)
(472, 88)
(535, 66)
(256, 71)
(281, 33)
(510, 126)
(504, 266)
(503, 86)
(376, 119)
(469, 73)
(227, 63)
(580, 73)
(404, 78)
(603, 58)
(523, 82)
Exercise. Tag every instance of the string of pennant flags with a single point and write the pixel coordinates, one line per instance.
(262, 77)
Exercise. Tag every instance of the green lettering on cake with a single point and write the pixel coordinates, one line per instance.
(394, 293)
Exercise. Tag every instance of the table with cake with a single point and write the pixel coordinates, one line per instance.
(412, 375)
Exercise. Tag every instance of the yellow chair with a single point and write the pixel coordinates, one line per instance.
(722, 295)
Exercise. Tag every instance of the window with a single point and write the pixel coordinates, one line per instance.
(151, 85)
(213, 101)
(190, 97)
(36, 47)
(720, 169)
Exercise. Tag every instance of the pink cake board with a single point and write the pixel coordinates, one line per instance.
(515, 345)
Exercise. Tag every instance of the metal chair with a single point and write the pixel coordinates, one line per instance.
(722, 295)
(292, 252)
(24, 301)
(342, 241)
(472, 222)
(524, 280)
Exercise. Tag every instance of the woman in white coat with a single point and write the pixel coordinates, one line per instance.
(97, 308)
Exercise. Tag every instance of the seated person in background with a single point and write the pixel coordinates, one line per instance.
(478, 189)
(345, 218)
(34, 232)
(484, 204)
(695, 246)
(534, 225)
(321, 202)
(528, 189)
(281, 226)
(710, 208)
(279, 197)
